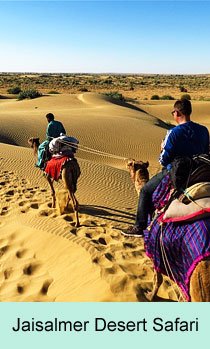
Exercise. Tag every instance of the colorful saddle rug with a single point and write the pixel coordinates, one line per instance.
(185, 244)
(54, 167)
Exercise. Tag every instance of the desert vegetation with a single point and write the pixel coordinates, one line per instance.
(29, 94)
(14, 90)
(139, 86)
(115, 95)
(164, 97)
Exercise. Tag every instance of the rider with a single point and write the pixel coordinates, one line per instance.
(54, 129)
(186, 139)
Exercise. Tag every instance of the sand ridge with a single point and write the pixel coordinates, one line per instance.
(43, 257)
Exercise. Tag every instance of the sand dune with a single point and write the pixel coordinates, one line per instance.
(43, 257)
(162, 110)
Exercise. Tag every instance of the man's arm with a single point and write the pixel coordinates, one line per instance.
(49, 132)
(167, 153)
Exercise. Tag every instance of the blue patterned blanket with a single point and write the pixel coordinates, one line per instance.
(185, 244)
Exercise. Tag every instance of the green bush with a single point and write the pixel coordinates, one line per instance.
(83, 89)
(53, 93)
(116, 95)
(14, 90)
(155, 97)
(108, 81)
(29, 94)
(186, 96)
(167, 97)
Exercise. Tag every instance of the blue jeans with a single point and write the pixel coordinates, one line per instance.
(145, 205)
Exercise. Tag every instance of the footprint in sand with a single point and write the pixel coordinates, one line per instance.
(31, 268)
(10, 193)
(22, 286)
(109, 256)
(67, 218)
(3, 250)
(22, 203)
(34, 206)
(4, 211)
(45, 286)
(7, 273)
(21, 253)
(25, 208)
(44, 213)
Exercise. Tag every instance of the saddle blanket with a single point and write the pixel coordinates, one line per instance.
(185, 244)
(54, 167)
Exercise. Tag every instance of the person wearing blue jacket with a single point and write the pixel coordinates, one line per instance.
(186, 139)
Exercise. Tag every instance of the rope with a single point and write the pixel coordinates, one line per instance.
(91, 150)
(95, 151)
(168, 268)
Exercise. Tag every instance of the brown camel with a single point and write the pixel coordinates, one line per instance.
(200, 278)
(139, 173)
(70, 174)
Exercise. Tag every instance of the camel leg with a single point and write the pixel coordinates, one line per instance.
(200, 282)
(50, 181)
(157, 281)
(67, 179)
(75, 206)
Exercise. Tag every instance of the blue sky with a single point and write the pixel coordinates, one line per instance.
(105, 36)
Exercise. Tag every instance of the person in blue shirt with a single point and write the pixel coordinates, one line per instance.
(54, 129)
(186, 139)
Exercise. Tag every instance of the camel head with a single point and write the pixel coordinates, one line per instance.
(34, 144)
(138, 172)
(133, 166)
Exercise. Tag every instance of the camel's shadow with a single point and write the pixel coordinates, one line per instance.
(107, 213)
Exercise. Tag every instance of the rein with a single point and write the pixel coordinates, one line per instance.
(92, 151)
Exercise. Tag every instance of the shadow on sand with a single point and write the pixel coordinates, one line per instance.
(125, 104)
(107, 213)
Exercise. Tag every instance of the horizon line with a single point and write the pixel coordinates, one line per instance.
(101, 73)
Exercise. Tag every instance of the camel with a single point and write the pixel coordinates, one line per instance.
(139, 173)
(70, 174)
(199, 283)
(199, 289)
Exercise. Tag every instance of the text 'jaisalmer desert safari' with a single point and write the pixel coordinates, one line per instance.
(44, 255)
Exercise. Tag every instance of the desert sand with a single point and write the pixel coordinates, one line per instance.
(43, 257)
